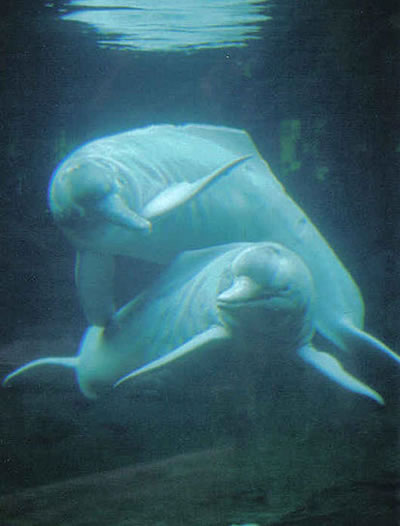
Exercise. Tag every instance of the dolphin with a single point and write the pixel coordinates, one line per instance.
(243, 295)
(155, 192)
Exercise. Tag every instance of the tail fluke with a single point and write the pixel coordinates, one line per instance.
(65, 362)
(333, 369)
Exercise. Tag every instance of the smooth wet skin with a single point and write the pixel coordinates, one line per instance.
(229, 295)
(155, 192)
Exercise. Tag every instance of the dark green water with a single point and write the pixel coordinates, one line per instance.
(318, 94)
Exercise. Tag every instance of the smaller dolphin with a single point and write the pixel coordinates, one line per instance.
(241, 294)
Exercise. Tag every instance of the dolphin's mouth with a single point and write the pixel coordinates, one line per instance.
(237, 304)
(273, 301)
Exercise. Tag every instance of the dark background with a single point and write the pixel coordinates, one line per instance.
(332, 69)
(331, 72)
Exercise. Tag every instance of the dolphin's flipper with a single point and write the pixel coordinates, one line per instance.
(94, 277)
(354, 337)
(333, 369)
(180, 193)
(66, 362)
(348, 337)
(199, 342)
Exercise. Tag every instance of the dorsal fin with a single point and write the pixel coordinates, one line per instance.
(232, 139)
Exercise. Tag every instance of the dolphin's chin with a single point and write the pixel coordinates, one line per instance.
(243, 291)
(260, 315)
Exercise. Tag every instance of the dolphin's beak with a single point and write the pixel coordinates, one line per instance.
(242, 290)
(115, 211)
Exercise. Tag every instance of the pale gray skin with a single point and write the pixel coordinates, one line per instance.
(155, 192)
(235, 294)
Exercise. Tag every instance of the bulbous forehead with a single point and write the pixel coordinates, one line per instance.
(272, 264)
(261, 256)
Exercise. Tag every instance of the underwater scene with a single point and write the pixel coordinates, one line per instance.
(200, 256)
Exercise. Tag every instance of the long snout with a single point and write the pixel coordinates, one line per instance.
(114, 210)
(242, 290)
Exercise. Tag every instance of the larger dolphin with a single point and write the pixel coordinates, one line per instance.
(245, 296)
(146, 194)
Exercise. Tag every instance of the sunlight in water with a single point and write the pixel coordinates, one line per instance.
(170, 25)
